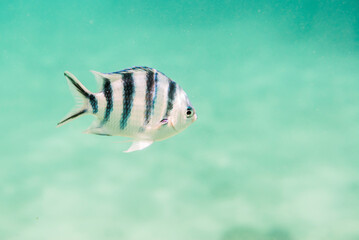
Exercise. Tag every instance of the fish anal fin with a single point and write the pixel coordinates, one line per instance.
(97, 131)
(139, 145)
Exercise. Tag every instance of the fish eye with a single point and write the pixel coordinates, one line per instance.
(189, 112)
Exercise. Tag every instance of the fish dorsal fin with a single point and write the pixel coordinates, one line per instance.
(139, 145)
(100, 78)
(134, 69)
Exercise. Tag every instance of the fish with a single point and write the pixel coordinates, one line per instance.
(140, 102)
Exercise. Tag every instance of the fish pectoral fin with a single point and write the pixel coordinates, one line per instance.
(163, 122)
(166, 121)
(139, 145)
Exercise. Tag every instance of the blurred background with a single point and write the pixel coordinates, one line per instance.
(273, 155)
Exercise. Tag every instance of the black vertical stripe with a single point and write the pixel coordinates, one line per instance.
(107, 89)
(128, 94)
(170, 97)
(93, 102)
(149, 95)
(155, 93)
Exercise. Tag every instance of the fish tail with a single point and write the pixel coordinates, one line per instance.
(82, 97)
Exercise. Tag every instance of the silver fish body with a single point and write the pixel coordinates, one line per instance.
(140, 102)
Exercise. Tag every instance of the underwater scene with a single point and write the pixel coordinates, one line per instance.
(273, 154)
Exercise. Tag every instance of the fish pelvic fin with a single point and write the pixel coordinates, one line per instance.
(82, 97)
(139, 145)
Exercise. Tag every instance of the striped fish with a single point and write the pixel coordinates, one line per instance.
(139, 102)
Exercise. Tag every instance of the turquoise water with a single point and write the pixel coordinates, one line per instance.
(273, 155)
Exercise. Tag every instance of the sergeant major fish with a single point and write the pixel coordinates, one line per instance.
(139, 102)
